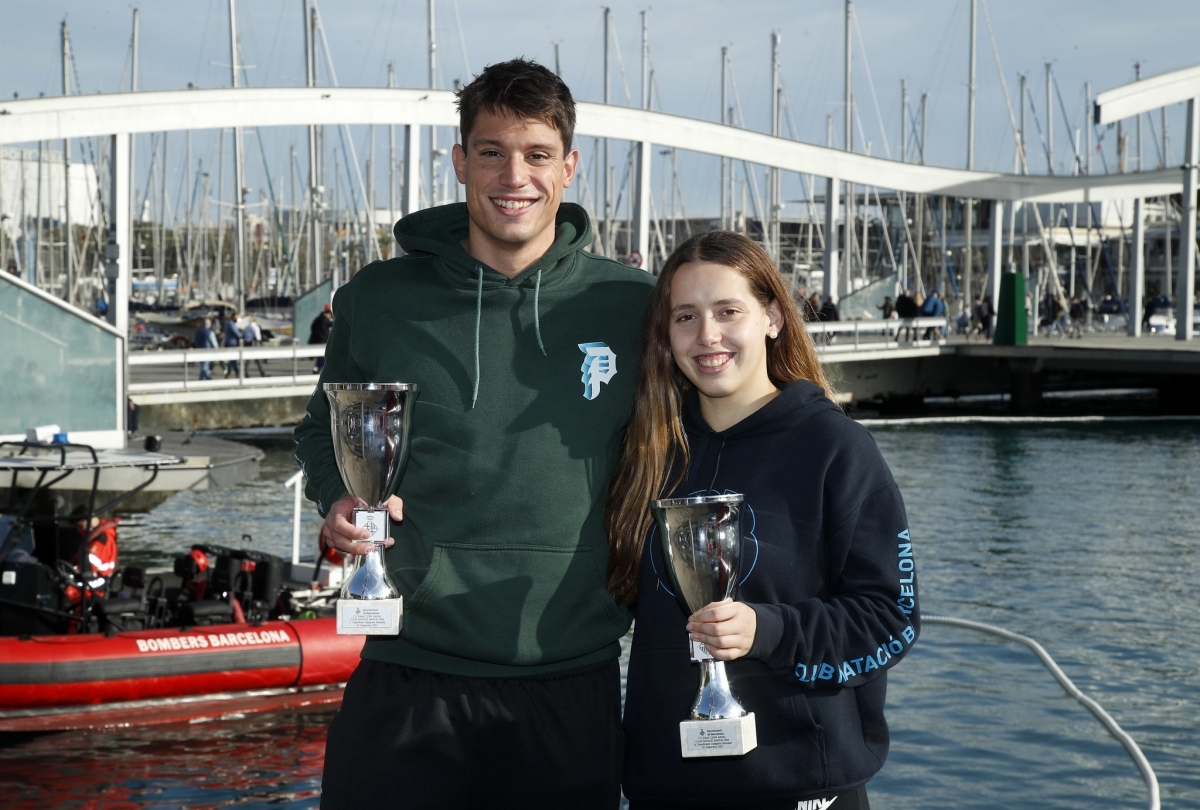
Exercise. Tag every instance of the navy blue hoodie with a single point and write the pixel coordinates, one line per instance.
(829, 571)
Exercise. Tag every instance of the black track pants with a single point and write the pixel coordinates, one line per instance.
(412, 739)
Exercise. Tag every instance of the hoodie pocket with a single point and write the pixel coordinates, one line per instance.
(512, 604)
(810, 736)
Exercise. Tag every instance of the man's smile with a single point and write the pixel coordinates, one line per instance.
(511, 205)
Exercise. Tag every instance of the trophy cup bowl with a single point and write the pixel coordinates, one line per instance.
(702, 547)
(370, 427)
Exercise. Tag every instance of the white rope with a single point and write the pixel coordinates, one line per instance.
(1092, 706)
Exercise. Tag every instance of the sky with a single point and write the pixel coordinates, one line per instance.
(922, 41)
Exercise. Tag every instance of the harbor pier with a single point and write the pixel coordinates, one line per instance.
(836, 243)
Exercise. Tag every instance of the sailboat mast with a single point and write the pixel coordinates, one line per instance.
(391, 157)
(726, 191)
(848, 134)
(314, 194)
(239, 193)
(969, 264)
(68, 243)
(433, 147)
(607, 214)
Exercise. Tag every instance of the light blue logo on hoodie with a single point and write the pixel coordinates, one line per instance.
(599, 366)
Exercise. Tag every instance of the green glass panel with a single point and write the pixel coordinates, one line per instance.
(55, 367)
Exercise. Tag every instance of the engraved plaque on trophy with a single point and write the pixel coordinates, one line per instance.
(370, 426)
(702, 546)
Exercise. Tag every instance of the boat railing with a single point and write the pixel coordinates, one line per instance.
(879, 335)
(1122, 736)
(296, 481)
(295, 370)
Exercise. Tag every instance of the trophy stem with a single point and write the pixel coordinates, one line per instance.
(715, 701)
(369, 579)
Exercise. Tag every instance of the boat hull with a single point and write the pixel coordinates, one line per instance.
(89, 680)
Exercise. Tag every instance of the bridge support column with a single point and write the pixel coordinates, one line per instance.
(412, 168)
(641, 215)
(1185, 287)
(996, 253)
(833, 193)
(1025, 391)
(117, 250)
(1137, 280)
(117, 260)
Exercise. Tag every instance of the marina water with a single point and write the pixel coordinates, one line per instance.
(1083, 536)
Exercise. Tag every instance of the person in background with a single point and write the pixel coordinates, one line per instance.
(233, 337)
(252, 336)
(1076, 312)
(988, 317)
(934, 307)
(98, 538)
(812, 312)
(205, 338)
(732, 397)
(962, 322)
(906, 308)
(888, 308)
(318, 334)
(1058, 318)
(829, 310)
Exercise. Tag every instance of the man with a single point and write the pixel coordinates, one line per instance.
(205, 338)
(829, 310)
(252, 336)
(318, 334)
(502, 689)
(98, 540)
(906, 308)
(233, 337)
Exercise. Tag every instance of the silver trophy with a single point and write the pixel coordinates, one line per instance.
(370, 426)
(702, 544)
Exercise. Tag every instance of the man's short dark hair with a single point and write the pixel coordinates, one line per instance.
(519, 88)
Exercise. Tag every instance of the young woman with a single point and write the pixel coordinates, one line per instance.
(731, 398)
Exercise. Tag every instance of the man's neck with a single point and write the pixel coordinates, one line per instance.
(509, 260)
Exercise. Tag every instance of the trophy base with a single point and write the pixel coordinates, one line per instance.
(731, 737)
(369, 617)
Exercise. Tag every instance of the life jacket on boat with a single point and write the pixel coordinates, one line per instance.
(101, 548)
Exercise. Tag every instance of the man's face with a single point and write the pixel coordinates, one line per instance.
(515, 171)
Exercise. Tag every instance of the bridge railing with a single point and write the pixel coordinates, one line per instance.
(182, 368)
(864, 336)
(261, 366)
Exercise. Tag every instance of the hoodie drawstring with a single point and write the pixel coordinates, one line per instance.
(537, 324)
(478, 316)
(717, 466)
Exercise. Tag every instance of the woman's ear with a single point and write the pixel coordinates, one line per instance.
(774, 318)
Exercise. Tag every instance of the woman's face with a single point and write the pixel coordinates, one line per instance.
(719, 331)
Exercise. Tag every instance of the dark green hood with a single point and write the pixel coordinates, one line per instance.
(440, 232)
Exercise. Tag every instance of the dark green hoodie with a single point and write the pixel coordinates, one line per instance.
(525, 386)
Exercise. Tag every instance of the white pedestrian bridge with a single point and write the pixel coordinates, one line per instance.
(54, 364)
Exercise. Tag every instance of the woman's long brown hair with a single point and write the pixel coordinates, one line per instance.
(655, 446)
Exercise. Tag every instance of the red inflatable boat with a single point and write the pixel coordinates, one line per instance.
(142, 677)
(84, 644)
